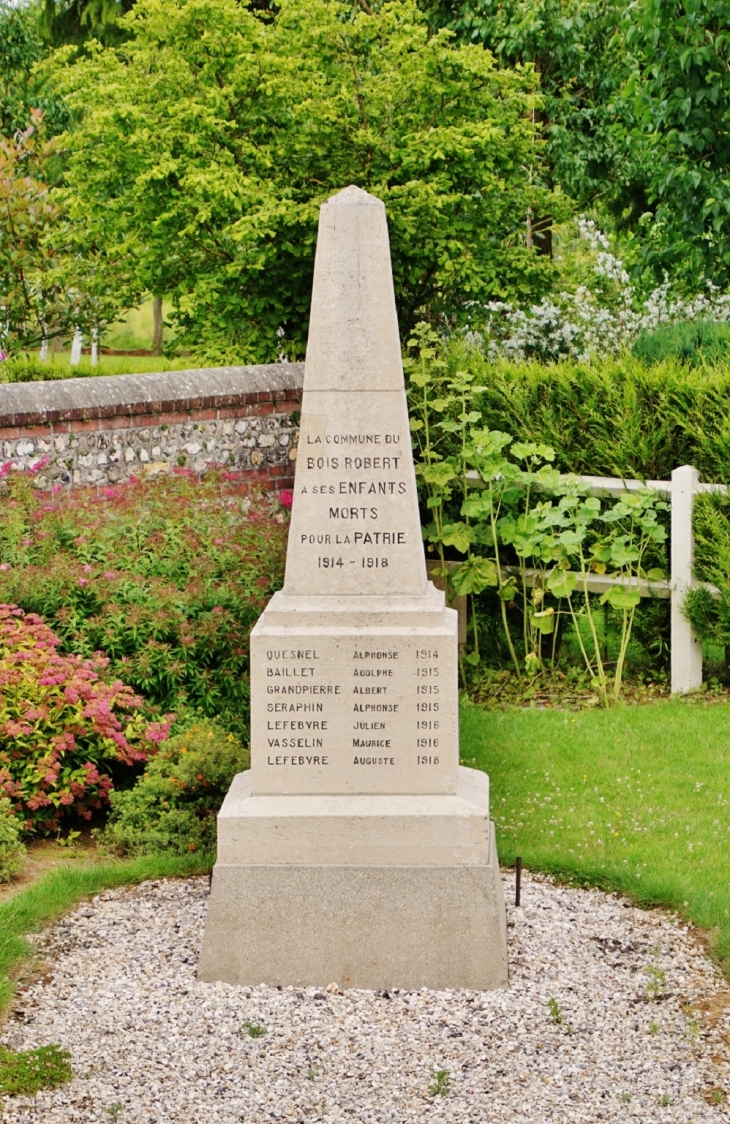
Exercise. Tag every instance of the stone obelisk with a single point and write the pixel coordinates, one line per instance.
(356, 850)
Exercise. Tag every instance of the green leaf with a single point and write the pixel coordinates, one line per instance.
(544, 621)
(439, 474)
(562, 583)
(508, 590)
(474, 575)
(621, 597)
(458, 535)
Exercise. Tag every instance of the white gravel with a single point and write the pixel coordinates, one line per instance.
(644, 1036)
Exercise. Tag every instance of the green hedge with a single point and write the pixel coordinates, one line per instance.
(611, 418)
(693, 342)
(30, 368)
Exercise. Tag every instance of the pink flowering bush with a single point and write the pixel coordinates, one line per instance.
(63, 721)
(166, 577)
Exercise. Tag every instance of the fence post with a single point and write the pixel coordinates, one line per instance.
(686, 649)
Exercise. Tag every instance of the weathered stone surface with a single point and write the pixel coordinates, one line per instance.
(386, 926)
(358, 850)
(383, 830)
(33, 403)
(106, 430)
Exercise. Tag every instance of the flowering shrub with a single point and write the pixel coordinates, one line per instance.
(165, 577)
(62, 718)
(174, 803)
(598, 318)
(11, 847)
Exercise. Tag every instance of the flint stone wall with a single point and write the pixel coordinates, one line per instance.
(108, 430)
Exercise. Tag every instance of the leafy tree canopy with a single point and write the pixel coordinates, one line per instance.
(21, 47)
(75, 21)
(206, 142)
(578, 48)
(48, 287)
(682, 106)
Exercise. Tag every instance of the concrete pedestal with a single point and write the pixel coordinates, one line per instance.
(364, 891)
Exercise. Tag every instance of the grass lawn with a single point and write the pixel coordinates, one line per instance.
(117, 365)
(635, 799)
(136, 328)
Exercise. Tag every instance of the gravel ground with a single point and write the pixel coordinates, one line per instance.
(640, 1032)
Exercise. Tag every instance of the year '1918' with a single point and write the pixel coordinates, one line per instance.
(365, 563)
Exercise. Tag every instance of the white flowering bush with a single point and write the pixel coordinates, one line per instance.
(598, 318)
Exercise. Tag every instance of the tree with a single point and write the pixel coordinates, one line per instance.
(206, 143)
(682, 105)
(579, 51)
(47, 287)
(31, 306)
(21, 48)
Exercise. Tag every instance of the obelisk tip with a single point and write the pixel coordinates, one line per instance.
(354, 196)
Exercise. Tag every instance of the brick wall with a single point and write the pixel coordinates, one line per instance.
(107, 430)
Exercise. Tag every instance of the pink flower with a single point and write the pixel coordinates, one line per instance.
(56, 488)
(157, 732)
(4, 565)
(286, 498)
(86, 568)
(110, 573)
(83, 581)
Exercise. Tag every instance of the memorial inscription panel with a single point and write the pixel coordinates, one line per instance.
(355, 528)
(369, 713)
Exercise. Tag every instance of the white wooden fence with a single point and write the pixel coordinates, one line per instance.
(686, 649)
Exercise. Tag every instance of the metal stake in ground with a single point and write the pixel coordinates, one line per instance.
(518, 879)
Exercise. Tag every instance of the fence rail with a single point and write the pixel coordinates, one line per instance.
(685, 484)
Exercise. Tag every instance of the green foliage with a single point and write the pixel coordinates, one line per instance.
(536, 537)
(710, 616)
(75, 21)
(11, 847)
(21, 48)
(615, 417)
(25, 1072)
(47, 287)
(440, 1086)
(681, 93)
(174, 804)
(166, 577)
(206, 143)
(62, 720)
(695, 343)
(580, 54)
(33, 303)
(23, 368)
(556, 1011)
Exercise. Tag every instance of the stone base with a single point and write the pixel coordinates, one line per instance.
(423, 906)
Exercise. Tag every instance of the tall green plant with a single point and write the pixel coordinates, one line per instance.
(519, 527)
